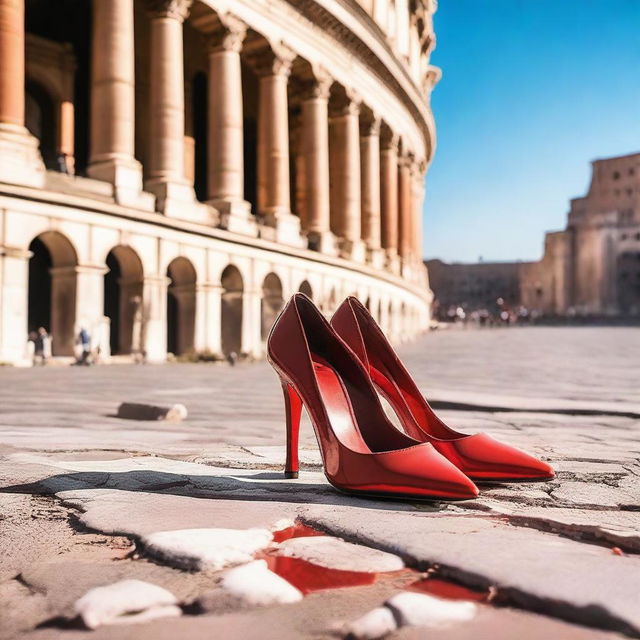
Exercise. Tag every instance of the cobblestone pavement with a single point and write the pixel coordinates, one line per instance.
(84, 495)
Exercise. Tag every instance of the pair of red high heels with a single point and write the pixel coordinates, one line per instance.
(334, 371)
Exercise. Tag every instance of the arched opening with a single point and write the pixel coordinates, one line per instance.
(272, 302)
(200, 119)
(40, 119)
(181, 307)
(305, 288)
(52, 290)
(123, 300)
(231, 310)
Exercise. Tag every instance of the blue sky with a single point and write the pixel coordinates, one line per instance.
(531, 92)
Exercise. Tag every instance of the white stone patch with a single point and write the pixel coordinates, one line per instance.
(422, 610)
(206, 549)
(256, 585)
(334, 553)
(377, 623)
(407, 609)
(126, 601)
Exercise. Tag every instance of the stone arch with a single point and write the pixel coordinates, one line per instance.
(181, 306)
(123, 284)
(272, 302)
(231, 310)
(52, 289)
(305, 287)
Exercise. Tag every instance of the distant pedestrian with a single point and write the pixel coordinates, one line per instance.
(42, 350)
(84, 342)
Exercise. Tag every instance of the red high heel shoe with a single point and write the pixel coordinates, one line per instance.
(362, 451)
(479, 456)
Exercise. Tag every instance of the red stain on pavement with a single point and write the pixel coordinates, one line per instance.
(298, 530)
(447, 590)
(308, 577)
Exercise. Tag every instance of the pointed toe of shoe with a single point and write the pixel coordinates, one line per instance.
(416, 472)
(481, 457)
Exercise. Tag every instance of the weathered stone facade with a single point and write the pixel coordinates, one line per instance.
(172, 170)
(592, 268)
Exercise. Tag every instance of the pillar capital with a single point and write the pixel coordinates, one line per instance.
(317, 87)
(175, 9)
(389, 140)
(230, 35)
(273, 60)
(369, 126)
(346, 104)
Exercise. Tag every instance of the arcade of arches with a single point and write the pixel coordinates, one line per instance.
(171, 203)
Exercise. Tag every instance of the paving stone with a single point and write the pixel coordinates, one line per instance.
(330, 552)
(205, 549)
(595, 495)
(615, 528)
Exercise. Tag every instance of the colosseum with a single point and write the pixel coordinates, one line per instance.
(172, 170)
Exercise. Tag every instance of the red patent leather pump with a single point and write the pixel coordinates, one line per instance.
(362, 451)
(479, 456)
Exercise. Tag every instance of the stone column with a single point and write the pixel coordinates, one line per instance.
(252, 322)
(225, 145)
(208, 337)
(154, 317)
(315, 145)
(405, 212)
(273, 66)
(345, 177)
(20, 160)
(417, 175)
(175, 196)
(370, 187)
(112, 135)
(14, 303)
(389, 198)
(89, 285)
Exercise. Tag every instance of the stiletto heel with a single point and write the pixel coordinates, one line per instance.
(362, 452)
(479, 456)
(293, 411)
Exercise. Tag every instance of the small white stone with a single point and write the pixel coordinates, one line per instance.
(334, 553)
(422, 610)
(377, 623)
(206, 549)
(255, 584)
(113, 603)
